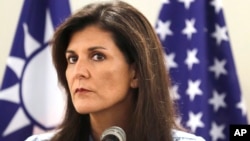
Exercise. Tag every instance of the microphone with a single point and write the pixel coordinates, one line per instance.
(113, 133)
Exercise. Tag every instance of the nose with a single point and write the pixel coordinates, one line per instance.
(81, 69)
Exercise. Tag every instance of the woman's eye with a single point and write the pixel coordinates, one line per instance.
(72, 59)
(98, 57)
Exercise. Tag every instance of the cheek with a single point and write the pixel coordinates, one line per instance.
(116, 82)
(104, 80)
(68, 76)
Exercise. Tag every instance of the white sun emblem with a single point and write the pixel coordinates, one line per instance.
(41, 102)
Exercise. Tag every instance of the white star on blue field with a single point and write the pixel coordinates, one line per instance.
(34, 100)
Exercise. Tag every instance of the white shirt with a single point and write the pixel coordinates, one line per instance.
(177, 136)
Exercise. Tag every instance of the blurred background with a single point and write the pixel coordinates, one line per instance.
(236, 15)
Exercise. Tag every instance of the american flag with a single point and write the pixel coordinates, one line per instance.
(29, 97)
(200, 63)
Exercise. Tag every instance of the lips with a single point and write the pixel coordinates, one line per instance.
(81, 90)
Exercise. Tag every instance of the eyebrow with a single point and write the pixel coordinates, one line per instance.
(96, 47)
(89, 49)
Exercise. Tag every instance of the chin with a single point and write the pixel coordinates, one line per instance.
(84, 110)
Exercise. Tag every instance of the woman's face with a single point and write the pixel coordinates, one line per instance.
(98, 75)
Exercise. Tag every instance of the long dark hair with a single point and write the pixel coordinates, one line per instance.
(154, 113)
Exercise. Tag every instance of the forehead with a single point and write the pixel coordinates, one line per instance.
(92, 34)
(93, 31)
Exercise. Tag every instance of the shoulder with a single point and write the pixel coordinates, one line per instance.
(184, 136)
(177, 136)
(41, 137)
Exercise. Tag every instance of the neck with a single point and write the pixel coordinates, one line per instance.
(118, 115)
(99, 125)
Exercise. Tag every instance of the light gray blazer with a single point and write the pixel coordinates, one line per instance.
(177, 136)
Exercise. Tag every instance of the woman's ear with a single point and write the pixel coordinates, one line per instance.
(134, 77)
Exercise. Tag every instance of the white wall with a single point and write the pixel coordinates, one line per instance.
(237, 16)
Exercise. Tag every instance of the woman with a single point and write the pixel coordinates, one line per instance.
(111, 64)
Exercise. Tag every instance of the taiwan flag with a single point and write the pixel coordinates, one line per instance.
(30, 100)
